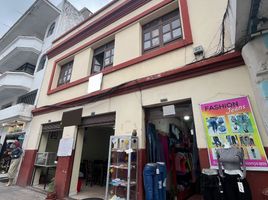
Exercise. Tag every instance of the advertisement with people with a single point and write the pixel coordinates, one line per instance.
(231, 123)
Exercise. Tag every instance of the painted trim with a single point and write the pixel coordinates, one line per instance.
(187, 40)
(26, 168)
(121, 11)
(157, 52)
(86, 20)
(63, 175)
(203, 67)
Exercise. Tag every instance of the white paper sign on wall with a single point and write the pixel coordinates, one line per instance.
(65, 147)
(169, 110)
(94, 83)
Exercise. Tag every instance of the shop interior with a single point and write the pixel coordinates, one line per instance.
(175, 133)
(9, 133)
(45, 166)
(93, 167)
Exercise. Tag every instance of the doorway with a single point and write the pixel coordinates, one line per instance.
(93, 164)
(173, 126)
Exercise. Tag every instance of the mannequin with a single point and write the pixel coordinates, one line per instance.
(232, 159)
(235, 185)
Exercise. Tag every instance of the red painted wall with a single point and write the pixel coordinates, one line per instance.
(257, 180)
(26, 168)
(63, 175)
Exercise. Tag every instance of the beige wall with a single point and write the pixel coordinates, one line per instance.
(205, 25)
(129, 108)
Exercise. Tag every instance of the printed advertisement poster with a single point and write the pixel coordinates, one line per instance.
(230, 123)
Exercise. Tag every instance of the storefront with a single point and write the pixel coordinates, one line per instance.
(134, 110)
(11, 131)
(174, 145)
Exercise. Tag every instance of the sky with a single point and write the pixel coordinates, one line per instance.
(11, 10)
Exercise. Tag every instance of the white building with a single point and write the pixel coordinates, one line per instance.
(23, 61)
(249, 32)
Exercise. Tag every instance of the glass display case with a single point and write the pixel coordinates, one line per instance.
(122, 171)
(45, 159)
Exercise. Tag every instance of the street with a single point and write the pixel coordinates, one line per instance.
(18, 193)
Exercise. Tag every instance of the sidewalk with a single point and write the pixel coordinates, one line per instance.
(18, 193)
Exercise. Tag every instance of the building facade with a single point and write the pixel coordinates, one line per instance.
(112, 74)
(23, 63)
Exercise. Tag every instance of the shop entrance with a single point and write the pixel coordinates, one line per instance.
(93, 164)
(45, 165)
(171, 139)
(9, 133)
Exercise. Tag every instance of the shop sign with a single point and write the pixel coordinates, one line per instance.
(231, 123)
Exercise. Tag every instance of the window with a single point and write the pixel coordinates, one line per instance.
(27, 68)
(162, 30)
(42, 63)
(65, 73)
(103, 57)
(51, 29)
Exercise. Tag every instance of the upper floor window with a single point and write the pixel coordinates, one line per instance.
(42, 63)
(103, 57)
(65, 73)
(162, 30)
(51, 29)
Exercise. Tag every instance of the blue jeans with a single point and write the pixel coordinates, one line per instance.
(161, 174)
(154, 178)
(150, 181)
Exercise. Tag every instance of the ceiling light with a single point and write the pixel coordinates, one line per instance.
(186, 117)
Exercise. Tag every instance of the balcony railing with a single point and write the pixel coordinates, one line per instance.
(28, 98)
(22, 50)
(20, 111)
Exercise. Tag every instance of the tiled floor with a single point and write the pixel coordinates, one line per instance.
(90, 192)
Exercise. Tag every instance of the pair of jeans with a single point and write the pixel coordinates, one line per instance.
(211, 187)
(154, 178)
(161, 173)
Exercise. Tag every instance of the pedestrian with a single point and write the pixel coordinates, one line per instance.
(15, 155)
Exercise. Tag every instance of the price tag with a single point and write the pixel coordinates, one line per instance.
(241, 187)
(165, 183)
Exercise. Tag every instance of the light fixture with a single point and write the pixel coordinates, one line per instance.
(186, 117)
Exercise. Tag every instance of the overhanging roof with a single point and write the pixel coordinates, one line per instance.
(33, 22)
(250, 16)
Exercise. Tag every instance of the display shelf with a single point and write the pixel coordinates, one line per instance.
(122, 183)
(122, 168)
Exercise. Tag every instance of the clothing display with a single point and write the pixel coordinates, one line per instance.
(211, 187)
(175, 150)
(235, 188)
(154, 179)
(231, 159)
(230, 182)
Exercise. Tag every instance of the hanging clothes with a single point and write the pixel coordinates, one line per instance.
(164, 144)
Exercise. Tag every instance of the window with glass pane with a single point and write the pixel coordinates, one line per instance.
(65, 73)
(103, 57)
(162, 30)
(42, 63)
(51, 29)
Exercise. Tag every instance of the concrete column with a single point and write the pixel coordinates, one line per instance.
(77, 161)
(65, 165)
